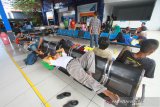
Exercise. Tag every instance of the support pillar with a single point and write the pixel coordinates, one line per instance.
(101, 9)
(4, 18)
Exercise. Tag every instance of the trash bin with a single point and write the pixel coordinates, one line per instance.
(4, 38)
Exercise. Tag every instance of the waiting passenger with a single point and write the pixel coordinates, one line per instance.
(95, 28)
(73, 24)
(19, 38)
(82, 69)
(84, 26)
(35, 44)
(116, 29)
(141, 31)
(17, 30)
(139, 59)
(102, 49)
(120, 37)
(142, 28)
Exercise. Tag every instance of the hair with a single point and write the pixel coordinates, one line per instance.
(103, 43)
(108, 18)
(144, 23)
(95, 13)
(16, 25)
(63, 44)
(148, 45)
(128, 28)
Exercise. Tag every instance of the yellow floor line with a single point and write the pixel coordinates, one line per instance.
(30, 82)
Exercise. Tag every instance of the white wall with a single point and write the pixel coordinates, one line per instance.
(107, 11)
(154, 23)
(132, 24)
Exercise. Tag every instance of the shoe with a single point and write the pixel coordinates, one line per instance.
(71, 103)
(63, 95)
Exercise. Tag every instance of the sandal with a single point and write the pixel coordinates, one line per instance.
(71, 103)
(63, 95)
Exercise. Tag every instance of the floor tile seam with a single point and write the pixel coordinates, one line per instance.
(39, 95)
(80, 92)
(57, 93)
(17, 96)
(38, 83)
(18, 78)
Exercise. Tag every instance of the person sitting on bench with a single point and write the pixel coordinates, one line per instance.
(82, 69)
(102, 51)
(139, 59)
(141, 31)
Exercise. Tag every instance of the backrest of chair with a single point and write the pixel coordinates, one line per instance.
(81, 34)
(124, 80)
(59, 31)
(100, 66)
(126, 35)
(64, 32)
(87, 35)
(113, 36)
(75, 33)
(70, 33)
(104, 34)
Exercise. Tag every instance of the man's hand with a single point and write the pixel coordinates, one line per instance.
(114, 97)
(41, 53)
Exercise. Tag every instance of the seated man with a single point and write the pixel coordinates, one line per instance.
(141, 31)
(35, 44)
(101, 50)
(81, 69)
(139, 59)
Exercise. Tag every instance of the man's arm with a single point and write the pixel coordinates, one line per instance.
(90, 28)
(40, 42)
(99, 29)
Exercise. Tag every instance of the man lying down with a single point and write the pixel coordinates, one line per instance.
(81, 69)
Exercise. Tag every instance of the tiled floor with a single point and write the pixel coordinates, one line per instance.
(14, 89)
(16, 92)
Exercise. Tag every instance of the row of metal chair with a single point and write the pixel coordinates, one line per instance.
(74, 33)
(86, 35)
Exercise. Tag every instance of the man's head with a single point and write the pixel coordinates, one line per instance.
(95, 14)
(16, 25)
(148, 46)
(32, 34)
(143, 24)
(127, 29)
(103, 43)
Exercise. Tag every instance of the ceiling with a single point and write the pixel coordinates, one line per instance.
(128, 2)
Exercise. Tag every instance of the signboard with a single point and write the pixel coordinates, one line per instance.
(87, 7)
(49, 15)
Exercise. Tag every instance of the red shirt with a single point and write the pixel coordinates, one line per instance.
(72, 24)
